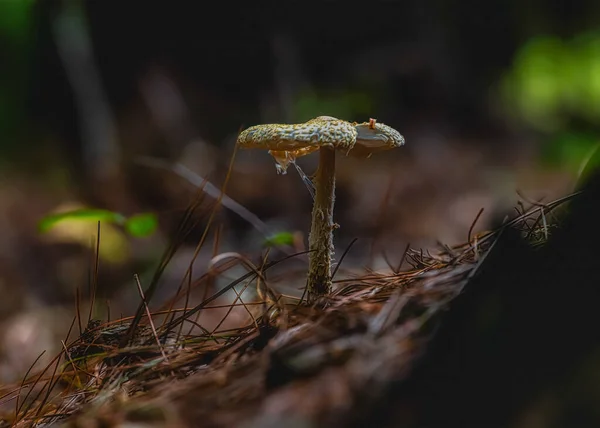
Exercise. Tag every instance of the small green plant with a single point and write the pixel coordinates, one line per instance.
(138, 225)
(279, 239)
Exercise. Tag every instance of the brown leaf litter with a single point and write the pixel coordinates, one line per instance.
(319, 365)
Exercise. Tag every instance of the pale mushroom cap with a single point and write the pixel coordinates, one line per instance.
(287, 142)
(318, 132)
(373, 137)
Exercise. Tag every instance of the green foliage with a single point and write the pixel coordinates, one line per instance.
(138, 225)
(569, 149)
(15, 19)
(278, 239)
(535, 84)
(141, 225)
(80, 214)
(552, 80)
(590, 163)
(554, 87)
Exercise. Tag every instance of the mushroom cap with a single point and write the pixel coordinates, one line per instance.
(318, 132)
(286, 142)
(373, 137)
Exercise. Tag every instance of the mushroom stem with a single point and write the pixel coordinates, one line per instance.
(321, 233)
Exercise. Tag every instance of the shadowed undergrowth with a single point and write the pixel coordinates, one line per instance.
(319, 365)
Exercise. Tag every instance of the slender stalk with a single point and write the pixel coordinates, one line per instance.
(320, 239)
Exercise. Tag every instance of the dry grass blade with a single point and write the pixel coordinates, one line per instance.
(20, 416)
(403, 258)
(72, 363)
(18, 404)
(343, 256)
(78, 309)
(94, 279)
(473, 225)
(224, 290)
(149, 315)
(182, 231)
(51, 383)
(188, 274)
(519, 219)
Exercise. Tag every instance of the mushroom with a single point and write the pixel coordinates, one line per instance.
(286, 142)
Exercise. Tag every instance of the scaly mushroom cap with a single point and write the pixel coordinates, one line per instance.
(321, 131)
(287, 142)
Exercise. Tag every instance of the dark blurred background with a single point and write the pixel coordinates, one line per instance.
(499, 102)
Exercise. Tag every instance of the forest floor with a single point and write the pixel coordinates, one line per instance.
(279, 361)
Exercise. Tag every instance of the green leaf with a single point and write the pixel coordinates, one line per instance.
(280, 238)
(553, 79)
(15, 18)
(534, 85)
(141, 225)
(590, 164)
(569, 150)
(83, 214)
